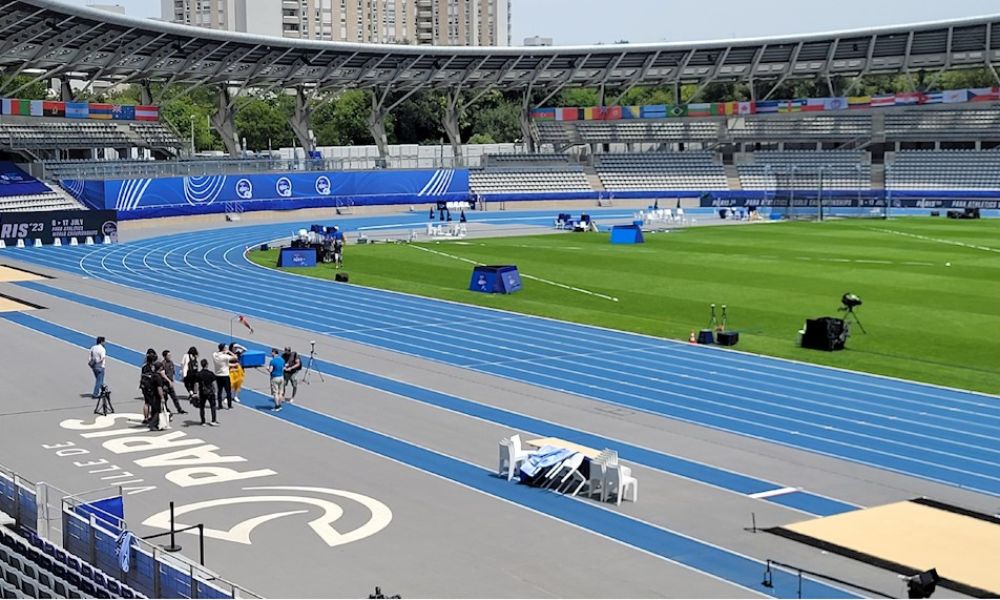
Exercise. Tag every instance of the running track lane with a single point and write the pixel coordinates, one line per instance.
(646, 537)
(802, 501)
(853, 416)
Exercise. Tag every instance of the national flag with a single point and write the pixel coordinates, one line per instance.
(746, 108)
(539, 114)
(883, 101)
(768, 106)
(613, 113)
(100, 111)
(984, 94)
(956, 96)
(677, 110)
(631, 112)
(54, 109)
(908, 98)
(77, 110)
(932, 98)
(246, 323)
(815, 105)
(5, 106)
(854, 102)
(726, 109)
(700, 109)
(836, 103)
(147, 113)
(791, 106)
(654, 111)
(568, 114)
(37, 108)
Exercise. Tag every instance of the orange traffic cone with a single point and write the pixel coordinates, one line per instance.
(693, 339)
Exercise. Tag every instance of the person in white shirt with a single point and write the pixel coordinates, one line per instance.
(98, 361)
(220, 365)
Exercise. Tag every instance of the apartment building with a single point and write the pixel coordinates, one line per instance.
(438, 22)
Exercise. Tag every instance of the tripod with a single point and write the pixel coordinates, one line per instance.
(850, 315)
(309, 365)
(714, 324)
(104, 406)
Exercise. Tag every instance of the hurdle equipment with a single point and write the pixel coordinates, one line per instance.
(3, 244)
(20, 243)
(38, 243)
(107, 240)
(73, 242)
(57, 242)
(89, 241)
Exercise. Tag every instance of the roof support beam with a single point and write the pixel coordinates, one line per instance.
(643, 72)
(791, 67)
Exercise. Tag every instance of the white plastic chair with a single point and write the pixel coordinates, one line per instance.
(596, 482)
(618, 481)
(511, 456)
(572, 469)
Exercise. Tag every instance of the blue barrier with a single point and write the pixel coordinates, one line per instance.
(627, 234)
(495, 280)
(174, 196)
(297, 257)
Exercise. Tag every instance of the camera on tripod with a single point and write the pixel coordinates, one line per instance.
(104, 406)
(850, 302)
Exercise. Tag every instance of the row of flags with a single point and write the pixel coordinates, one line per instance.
(723, 109)
(79, 110)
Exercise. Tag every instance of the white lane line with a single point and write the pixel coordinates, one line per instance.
(523, 275)
(938, 240)
(773, 493)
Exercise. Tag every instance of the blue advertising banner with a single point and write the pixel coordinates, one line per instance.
(297, 257)
(169, 196)
(495, 280)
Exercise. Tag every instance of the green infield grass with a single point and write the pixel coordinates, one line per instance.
(931, 287)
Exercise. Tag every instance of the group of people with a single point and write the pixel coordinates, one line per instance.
(213, 383)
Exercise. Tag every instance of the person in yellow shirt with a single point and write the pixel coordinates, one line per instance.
(236, 372)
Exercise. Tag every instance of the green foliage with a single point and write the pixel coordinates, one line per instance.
(482, 138)
(578, 97)
(796, 271)
(343, 120)
(38, 90)
(263, 122)
(183, 112)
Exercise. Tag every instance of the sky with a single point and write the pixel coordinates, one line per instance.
(607, 21)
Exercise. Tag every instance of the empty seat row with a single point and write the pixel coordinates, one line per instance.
(506, 181)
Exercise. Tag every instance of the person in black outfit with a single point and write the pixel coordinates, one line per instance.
(148, 387)
(205, 382)
(167, 382)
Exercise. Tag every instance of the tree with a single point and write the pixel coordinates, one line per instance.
(343, 120)
(38, 90)
(182, 113)
(263, 122)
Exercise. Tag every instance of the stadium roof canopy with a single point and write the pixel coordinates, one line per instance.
(49, 38)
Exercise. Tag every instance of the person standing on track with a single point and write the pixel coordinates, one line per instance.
(169, 372)
(147, 385)
(236, 373)
(98, 361)
(222, 381)
(293, 365)
(204, 382)
(189, 372)
(277, 371)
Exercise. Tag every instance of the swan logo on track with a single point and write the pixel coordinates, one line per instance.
(110, 229)
(244, 189)
(284, 187)
(203, 191)
(323, 185)
(322, 526)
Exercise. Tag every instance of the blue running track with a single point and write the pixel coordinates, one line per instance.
(853, 416)
(647, 537)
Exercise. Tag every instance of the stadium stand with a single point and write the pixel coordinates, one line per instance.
(35, 568)
(500, 181)
(60, 135)
(840, 169)
(943, 125)
(20, 192)
(526, 160)
(827, 127)
(692, 170)
(562, 133)
(944, 170)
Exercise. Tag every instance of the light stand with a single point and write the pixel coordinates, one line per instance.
(309, 365)
(850, 315)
